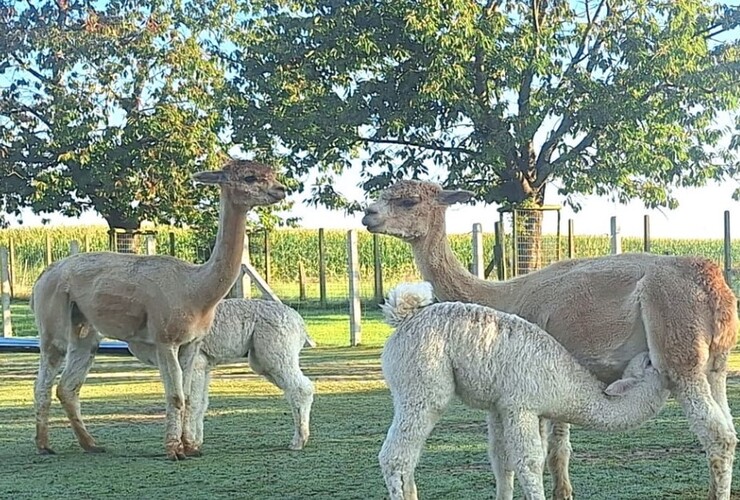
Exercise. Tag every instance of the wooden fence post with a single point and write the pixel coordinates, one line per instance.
(47, 255)
(322, 268)
(728, 250)
(646, 234)
(267, 257)
(571, 240)
(171, 237)
(151, 244)
(11, 267)
(378, 269)
(477, 241)
(242, 288)
(301, 281)
(5, 291)
(74, 247)
(614, 238)
(353, 264)
(499, 249)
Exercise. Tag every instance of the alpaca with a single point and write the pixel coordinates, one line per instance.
(157, 299)
(271, 335)
(604, 311)
(501, 363)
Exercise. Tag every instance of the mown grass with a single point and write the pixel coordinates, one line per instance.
(249, 425)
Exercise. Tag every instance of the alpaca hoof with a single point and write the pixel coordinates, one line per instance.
(193, 452)
(176, 456)
(297, 444)
(94, 449)
(563, 494)
(46, 451)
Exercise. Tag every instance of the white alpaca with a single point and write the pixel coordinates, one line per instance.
(271, 335)
(500, 363)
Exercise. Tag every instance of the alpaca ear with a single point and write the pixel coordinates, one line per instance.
(447, 197)
(620, 387)
(210, 177)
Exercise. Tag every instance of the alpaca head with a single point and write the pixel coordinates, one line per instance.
(408, 208)
(638, 371)
(246, 183)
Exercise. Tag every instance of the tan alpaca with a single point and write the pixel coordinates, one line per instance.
(154, 299)
(604, 311)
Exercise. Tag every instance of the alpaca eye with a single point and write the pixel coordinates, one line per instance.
(408, 203)
(250, 179)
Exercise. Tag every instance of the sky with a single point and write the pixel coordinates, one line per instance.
(700, 214)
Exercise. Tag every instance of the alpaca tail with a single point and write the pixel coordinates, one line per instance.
(405, 300)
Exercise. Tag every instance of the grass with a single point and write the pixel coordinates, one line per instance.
(249, 425)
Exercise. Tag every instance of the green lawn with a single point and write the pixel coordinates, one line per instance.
(249, 426)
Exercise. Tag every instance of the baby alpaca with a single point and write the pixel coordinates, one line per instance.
(500, 363)
(271, 335)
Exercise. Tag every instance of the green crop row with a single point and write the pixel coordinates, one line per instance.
(289, 247)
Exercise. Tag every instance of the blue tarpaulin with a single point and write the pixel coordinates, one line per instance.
(31, 344)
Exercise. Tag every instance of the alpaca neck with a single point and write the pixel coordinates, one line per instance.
(217, 275)
(592, 408)
(450, 280)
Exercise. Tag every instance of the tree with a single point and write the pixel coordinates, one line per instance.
(613, 97)
(107, 106)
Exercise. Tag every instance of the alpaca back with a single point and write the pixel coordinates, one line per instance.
(238, 323)
(492, 356)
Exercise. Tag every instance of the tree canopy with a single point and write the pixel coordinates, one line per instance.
(108, 106)
(617, 97)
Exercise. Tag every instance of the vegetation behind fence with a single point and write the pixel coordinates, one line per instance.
(289, 248)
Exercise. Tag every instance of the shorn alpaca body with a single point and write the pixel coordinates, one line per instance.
(159, 300)
(501, 363)
(270, 335)
(603, 310)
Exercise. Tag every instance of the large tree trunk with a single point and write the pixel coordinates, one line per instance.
(528, 240)
(528, 218)
(123, 237)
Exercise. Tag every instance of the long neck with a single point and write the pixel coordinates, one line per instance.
(590, 407)
(217, 275)
(450, 280)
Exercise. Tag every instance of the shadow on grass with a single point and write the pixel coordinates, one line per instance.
(249, 425)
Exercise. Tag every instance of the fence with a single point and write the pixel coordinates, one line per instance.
(308, 268)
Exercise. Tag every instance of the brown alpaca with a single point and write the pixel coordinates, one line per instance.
(155, 299)
(603, 310)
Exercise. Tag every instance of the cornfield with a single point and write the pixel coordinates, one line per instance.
(288, 248)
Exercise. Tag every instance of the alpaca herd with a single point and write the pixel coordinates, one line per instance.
(599, 342)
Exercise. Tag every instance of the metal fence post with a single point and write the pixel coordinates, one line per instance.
(477, 242)
(614, 238)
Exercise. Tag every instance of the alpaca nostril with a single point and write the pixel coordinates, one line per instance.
(371, 210)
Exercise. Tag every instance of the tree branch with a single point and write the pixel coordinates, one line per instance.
(421, 145)
(32, 71)
(35, 113)
(550, 167)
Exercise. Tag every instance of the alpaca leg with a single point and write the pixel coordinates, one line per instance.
(717, 378)
(412, 423)
(497, 455)
(524, 451)
(708, 421)
(199, 414)
(80, 357)
(558, 459)
(198, 397)
(169, 369)
(50, 363)
(283, 370)
(186, 358)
